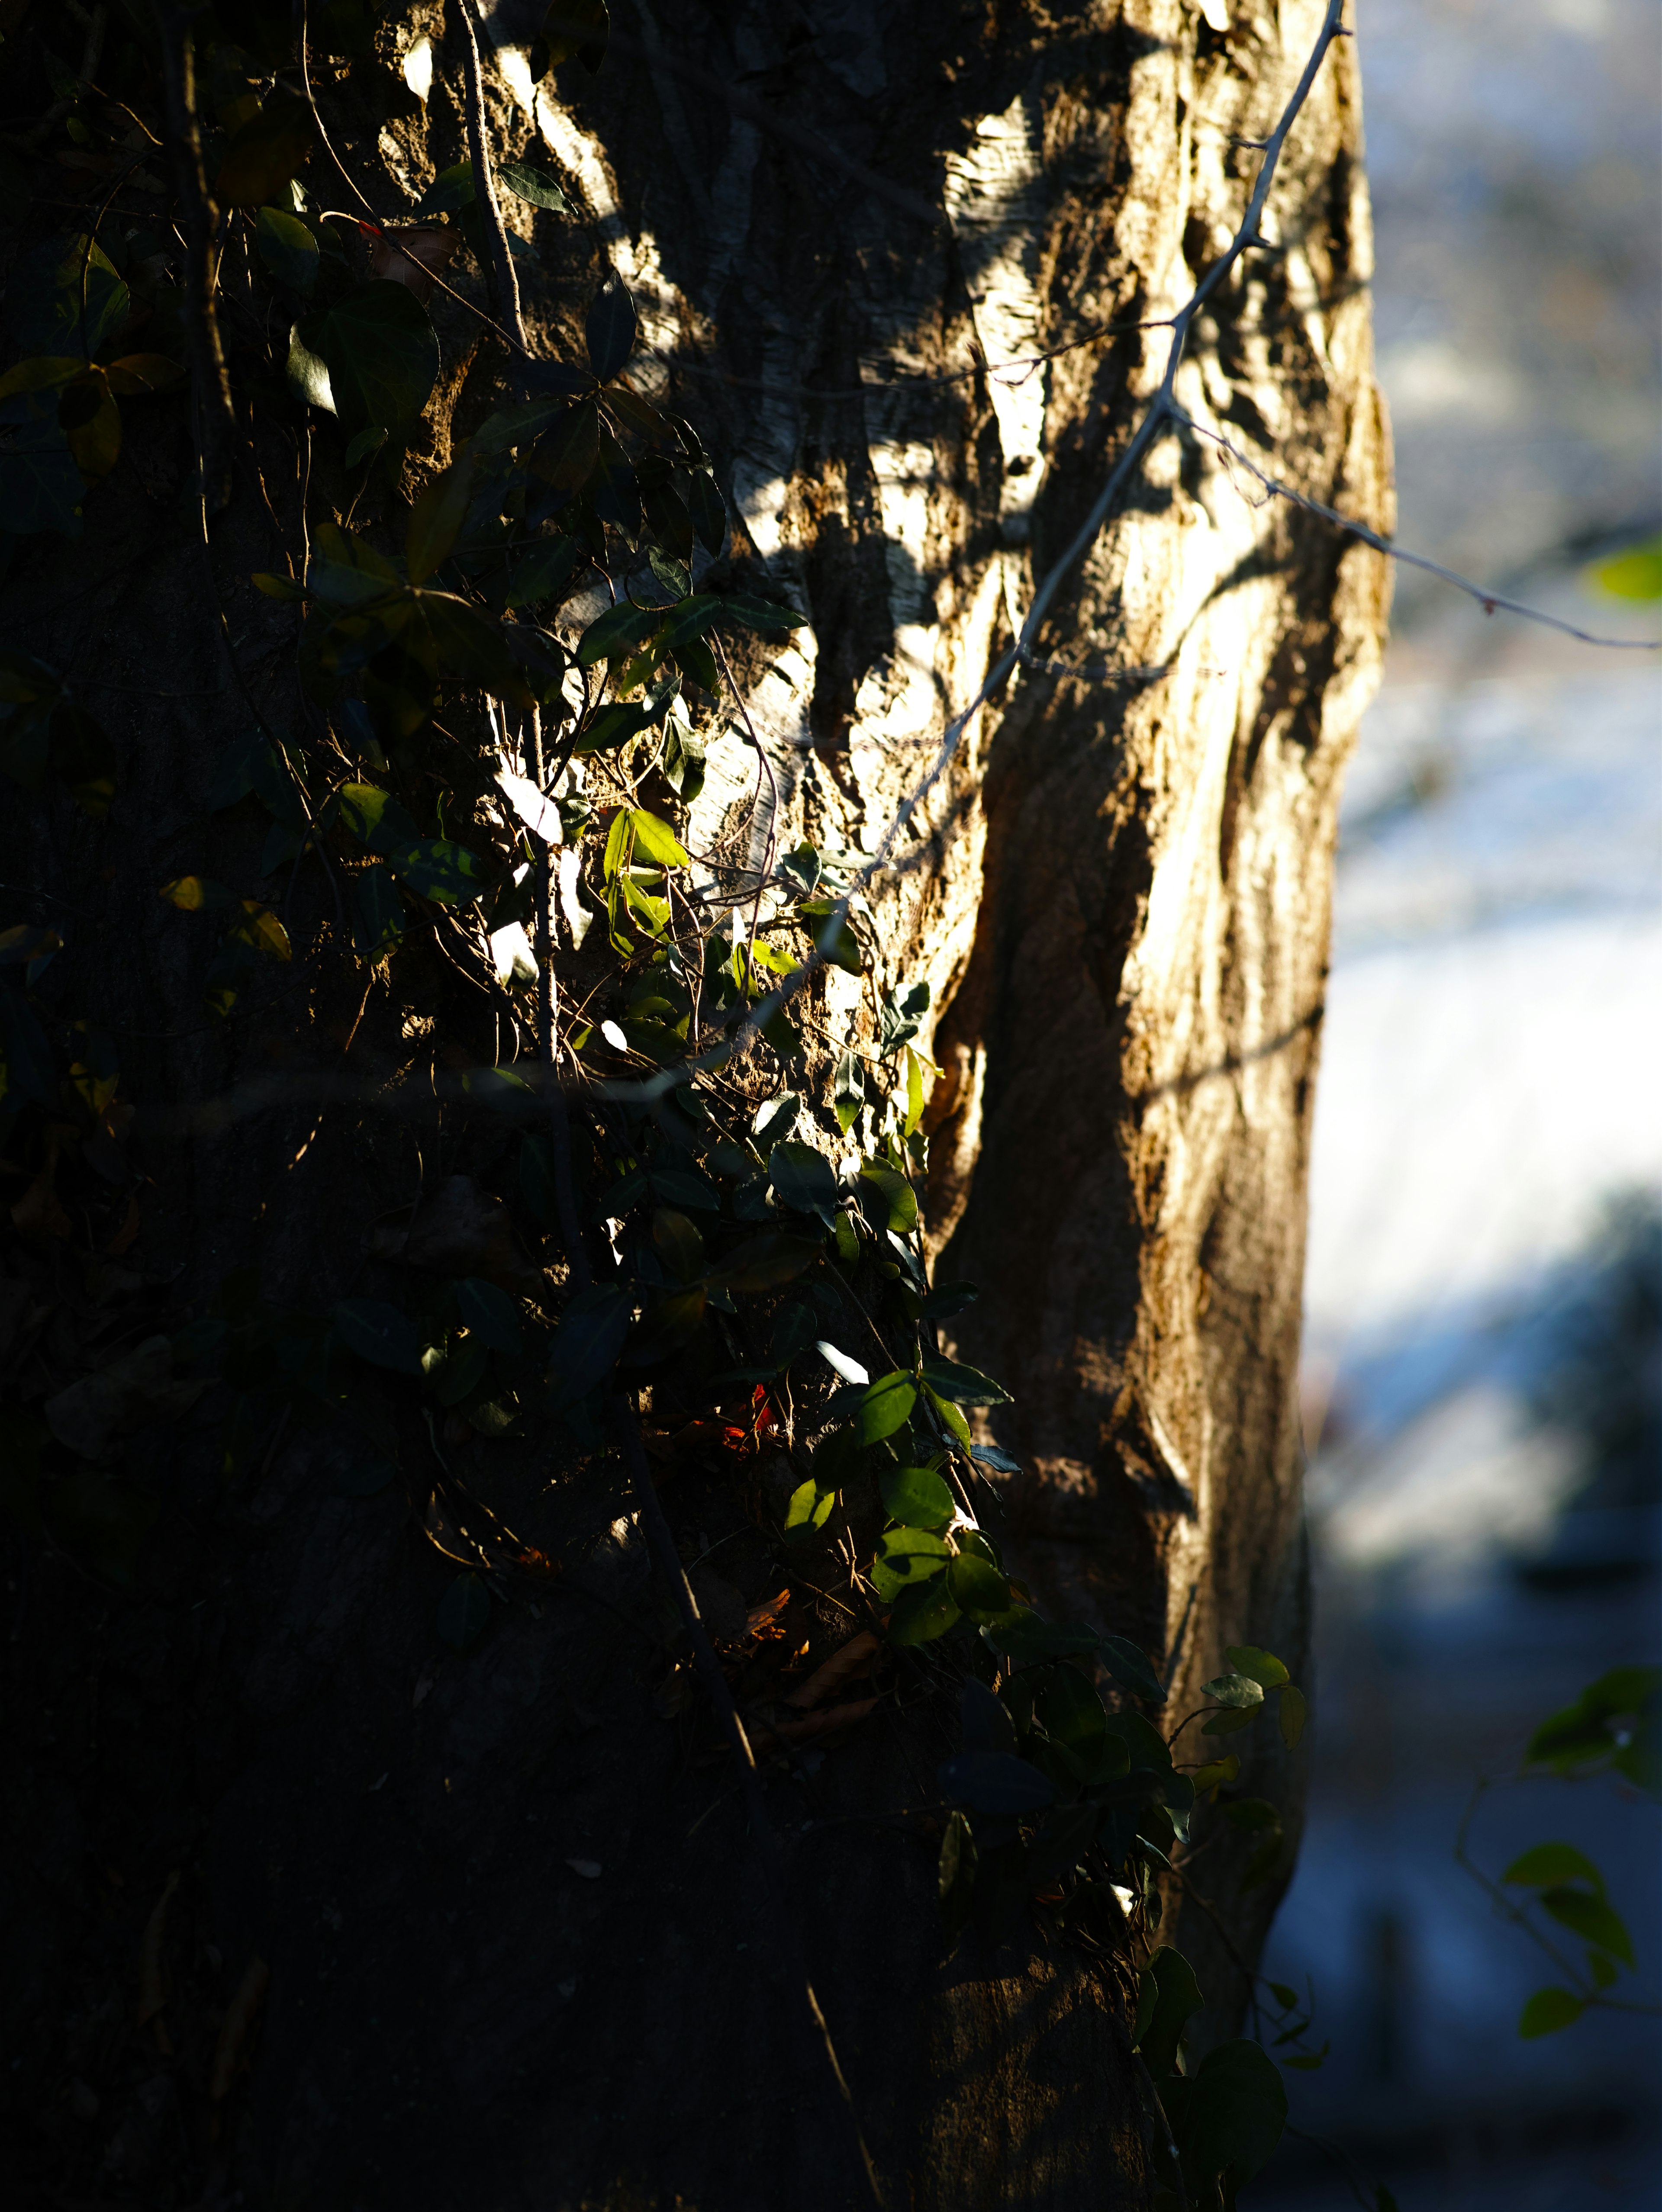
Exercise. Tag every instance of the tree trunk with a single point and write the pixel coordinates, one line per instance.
(519, 1943)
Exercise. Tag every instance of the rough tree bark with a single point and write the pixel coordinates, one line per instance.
(1119, 893)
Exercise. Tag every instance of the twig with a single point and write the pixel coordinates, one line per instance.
(217, 415)
(301, 33)
(1488, 600)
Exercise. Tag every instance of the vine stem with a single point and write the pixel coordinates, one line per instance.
(216, 413)
(500, 282)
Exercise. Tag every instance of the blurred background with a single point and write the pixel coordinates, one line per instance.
(1483, 1366)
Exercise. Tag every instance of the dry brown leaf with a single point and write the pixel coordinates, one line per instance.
(124, 1236)
(412, 253)
(136, 1389)
(457, 1228)
(239, 2020)
(813, 1724)
(152, 1994)
(762, 1620)
(842, 1666)
(37, 1215)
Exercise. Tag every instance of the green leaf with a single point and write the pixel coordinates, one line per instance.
(803, 1179)
(490, 1314)
(1168, 1996)
(904, 1557)
(1548, 2011)
(764, 616)
(381, 1333)
(587, 1341)
(378, 918)
(963, 1386)
(287, 248)
(381, 354)
(899, 1202)
(1131, 1668)
(307, 375)
(656, 840)
(977, 1587)
(1260, 1667)
(809, 1508)
(1029, 1640)
(609, 329)
(540, 569)
(1234, 2112)
(1635, 574)
(762, 1262)
(437, 519)
(1292, 1716)
(365, 1478)
(1592, 1919)
(615, 633)
(922, 1612)
(886, 1406)
(567, 456)
(581, 28)
(995, 1782)
(64, 297)
(534, 185)
(436, 869)
(1237, 1690)
(916, 1497)
(452, 189)
(269, 149)
(1207, 1778)
(375, 818)
(1545, 1866)
(40, 486)
(1231, 1718)
(465, 1611)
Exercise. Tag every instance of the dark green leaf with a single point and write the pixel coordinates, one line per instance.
(916, 1497)
(803, 1179)
(920, 1613)
(1548, 2011)
(1168, 1996)
(534, 185)
(1292, 1716)
(963, 1386)
(587, 1341)
(1235, 2110)
(977, 1587)
(899, 1208)
(992, 1455)
(377, 1332)
(373, 817)
(287, 248)
(465, 1611)
(1131, 1668)
(381, 354)
(609, 329)
(365, 1478)
(540, 569)
(886, 1406)
(709, 511)
(762, 1262)
(1236, 1690)
(269, 149)
(437, 519)
(64, 297)
(765, 616)
(378, 913)
(566, 458)
(1029, 1640)
(451, 191)
(1260, 1667)
(993, 1781)
(490, 1313)
(581, 28)
(1545, 1866)
(1592, 1919)
(436, 869)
